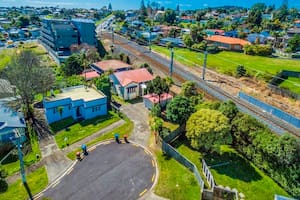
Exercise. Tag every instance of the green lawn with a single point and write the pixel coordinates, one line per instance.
(37, 181)
(85, 128)
(226, 62)
(175, 181)
(292, 83)
(29, 159)
(5, 56)
(62, 124)
(122, 130)
(170, 125)
(239, 173)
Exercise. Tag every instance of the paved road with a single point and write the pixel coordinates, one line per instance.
(111, 171)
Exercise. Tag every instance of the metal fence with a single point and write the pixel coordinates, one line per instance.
(209, 177)
(272, 110)
(169, 150)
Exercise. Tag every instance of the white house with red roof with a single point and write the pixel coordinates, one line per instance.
(130, 84)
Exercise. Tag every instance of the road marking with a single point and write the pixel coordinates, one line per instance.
(153, 163)
(38, 196)
(92, 149)
(55, 184)
(146, 152)
(153, 177)
(70, 171)
(141, 194)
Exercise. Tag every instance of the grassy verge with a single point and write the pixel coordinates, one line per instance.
(238, 173)
(226, 62)
(29, 159)
(85, 128)
(170, 125)
(37, 181)
(62, 124)
(292, 83)
(124, 129)
(175, 181)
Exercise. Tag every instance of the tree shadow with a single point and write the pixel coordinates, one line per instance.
(233, 165)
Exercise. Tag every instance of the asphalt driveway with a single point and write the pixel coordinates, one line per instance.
(111, 171)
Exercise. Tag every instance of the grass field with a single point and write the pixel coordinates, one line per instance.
(226, 62)
(292, 83)
(175, 181)
(37, 181)
(124, 129)
(239, 173)
(29, 159)
(85, 128)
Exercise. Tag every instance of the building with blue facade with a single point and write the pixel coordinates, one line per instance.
(59, 35)
(76, 102)
(9, 122)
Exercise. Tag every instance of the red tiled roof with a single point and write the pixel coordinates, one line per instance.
(219, 31)
(90, 75)
(187, 17)
(106, 65)
(136, 76)
(297, 21)
(227, 40)
(154, 97)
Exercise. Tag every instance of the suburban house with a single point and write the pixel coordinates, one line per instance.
(151, 99)
(77, 102)
(176, 42)
(10, 121)
(130, 84)
(107, 65)
(214, 32)
(228, 43)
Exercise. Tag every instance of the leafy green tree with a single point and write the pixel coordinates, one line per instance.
(147, 66)
(156, 111)
(240, 71)
(189, 89)
(3, 183)
(23, 21)
(156, 125)
(158, 86)
(143, 10)
(103, 84)
(197, 34)
(179, 109)
(229, 109)
(73, 65)
(30, 77)
(207, 129)
(188, 41)
(254, 17)
(294, 43)
(170, 16)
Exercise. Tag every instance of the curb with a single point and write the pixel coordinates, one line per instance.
(91, 148)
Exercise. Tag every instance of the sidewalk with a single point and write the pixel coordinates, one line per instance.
(92, 137)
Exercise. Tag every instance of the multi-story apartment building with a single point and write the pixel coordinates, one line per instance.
(60, 35)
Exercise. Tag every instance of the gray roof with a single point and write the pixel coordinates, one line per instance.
(9, 118)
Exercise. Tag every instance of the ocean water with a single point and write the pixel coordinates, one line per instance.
(133, 4)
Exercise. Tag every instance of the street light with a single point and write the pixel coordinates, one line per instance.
(17, 141)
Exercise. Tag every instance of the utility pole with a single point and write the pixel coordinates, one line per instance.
(171, 64)
(204, 65)
(112, 35)
(17, 141)
(150, 39)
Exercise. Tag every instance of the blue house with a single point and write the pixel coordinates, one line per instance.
(256, 36)
(177, 42)
(10, 121)
(76, 102)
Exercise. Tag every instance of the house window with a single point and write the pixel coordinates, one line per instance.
(96, 108)
(54, 110)
(131, 90)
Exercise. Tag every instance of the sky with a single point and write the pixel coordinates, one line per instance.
(133, 4)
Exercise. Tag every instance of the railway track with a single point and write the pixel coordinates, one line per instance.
(181, 74)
